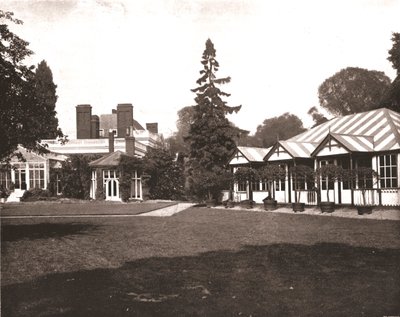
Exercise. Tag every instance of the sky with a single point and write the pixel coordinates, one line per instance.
(148, 53)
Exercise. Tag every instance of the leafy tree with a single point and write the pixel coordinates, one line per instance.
(391, 99)
(177, 141)
(282, 128)
(394, 52)
(211, 135)
(270, 174)
(317, 117)
(353, 90)
(166, 175)
(248, 175)
(22, 117)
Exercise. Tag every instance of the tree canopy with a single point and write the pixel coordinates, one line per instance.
(177, 142)
(394, 52)
(166, 175)
(211, 135)
(391, 99)
(25, 97)
(353, 90)
(317, 117)
(282, 127)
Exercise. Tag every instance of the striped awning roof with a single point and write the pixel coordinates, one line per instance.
(253, 154)
(376, 130)
(298, 149)
(355, 143)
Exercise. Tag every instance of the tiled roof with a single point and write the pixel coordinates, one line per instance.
(376, 130)
(253, 154)
(111, 159)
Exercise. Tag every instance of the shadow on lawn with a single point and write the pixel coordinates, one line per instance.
(42, 231)
(274, 280)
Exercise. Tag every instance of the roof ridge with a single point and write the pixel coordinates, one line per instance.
(347, 134)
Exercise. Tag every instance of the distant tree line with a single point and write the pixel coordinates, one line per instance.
(351, 90)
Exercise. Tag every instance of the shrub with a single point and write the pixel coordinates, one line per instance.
(35, 194)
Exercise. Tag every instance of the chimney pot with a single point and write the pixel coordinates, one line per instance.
(110, 141)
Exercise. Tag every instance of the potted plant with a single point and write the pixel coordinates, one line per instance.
(248, 175)
(230, 203)
(269, 174)
(365, 177)
(329, 173)
(208, 184)
(300, 174)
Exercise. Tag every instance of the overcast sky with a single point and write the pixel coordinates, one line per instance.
(105, 52)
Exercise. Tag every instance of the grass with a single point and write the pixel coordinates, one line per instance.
(201, 262)
(79, 208)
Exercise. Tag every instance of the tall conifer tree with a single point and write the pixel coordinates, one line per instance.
(211, 135)
(46, 98)
(23, 120)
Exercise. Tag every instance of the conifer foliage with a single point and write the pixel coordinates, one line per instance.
(24, 114)
(211, 135)
(46, 98)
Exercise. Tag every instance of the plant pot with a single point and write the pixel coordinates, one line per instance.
(211, 203)
(270, 204)
(298, 207)
(247, 204)
(2, 200)
(364, 210)
(327, 206)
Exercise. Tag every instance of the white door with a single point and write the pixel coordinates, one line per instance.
(112, 189)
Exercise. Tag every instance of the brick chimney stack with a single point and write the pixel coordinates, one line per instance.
(95, 127)
(130, 145)
(111, 141)
(83, 121)
(124, 118)
(152, 127)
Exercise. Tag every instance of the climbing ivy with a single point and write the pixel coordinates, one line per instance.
(127, 167)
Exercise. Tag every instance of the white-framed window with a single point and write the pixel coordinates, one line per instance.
(280, 184)
(136, 186)
(5, 178)
(58, 185)
(108, 174)
(388, 170)
(255, 186)
(325, 182)
(36, 175)
(242, 186)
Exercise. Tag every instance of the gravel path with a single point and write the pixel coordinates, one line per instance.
(377, 212)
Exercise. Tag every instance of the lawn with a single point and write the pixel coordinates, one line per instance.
(69, 208)
(200, 262)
